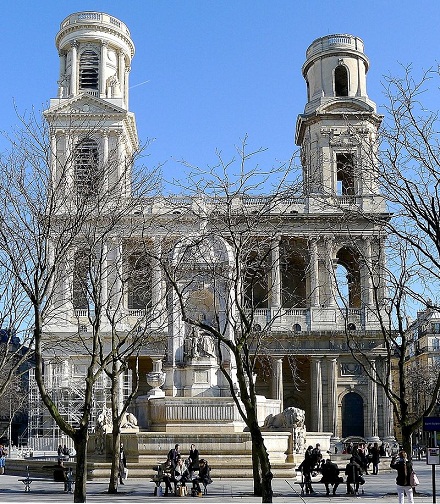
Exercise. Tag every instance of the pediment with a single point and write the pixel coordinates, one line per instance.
(346, 106)
(85, 104)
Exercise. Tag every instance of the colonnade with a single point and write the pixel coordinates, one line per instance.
(326, 397)
(321, 273)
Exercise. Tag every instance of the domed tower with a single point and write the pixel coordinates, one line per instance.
(337, 132)
(92, 131)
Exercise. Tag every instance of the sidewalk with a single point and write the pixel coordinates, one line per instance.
(380, 488)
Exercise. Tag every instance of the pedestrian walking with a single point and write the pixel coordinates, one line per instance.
(122, 465)
(404, 469)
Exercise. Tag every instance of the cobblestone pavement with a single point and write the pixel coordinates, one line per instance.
(380, 488)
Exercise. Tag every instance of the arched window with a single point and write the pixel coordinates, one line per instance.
(88, 70)
(348, 279)
(352, 415)
(341, 81)
(342, 294)
(86, 167)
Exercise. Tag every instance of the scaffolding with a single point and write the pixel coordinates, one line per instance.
(65, 382)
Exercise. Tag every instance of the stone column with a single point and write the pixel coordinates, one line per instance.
(368, 283)
(157, 291)
(277, 383)
(74, 74)
(372, 406)
(314, 282)
(121, 74)
(316, 388)
(121, 165)
(126, 85)
(331, 273)
(102, 69)
(333, 395)
(105, 163)
(53, 160)
(275, 277)
(62, 57)
(67, 282)
(104, 280)
(117, 294)
(388, 421)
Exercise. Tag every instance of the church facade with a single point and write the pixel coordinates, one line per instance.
(318, 285)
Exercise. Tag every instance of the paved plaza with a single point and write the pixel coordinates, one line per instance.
(380, 488)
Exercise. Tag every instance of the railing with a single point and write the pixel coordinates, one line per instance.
(136, 312)
(297, 312)
(94, 17)
(256, 200)
(346, 200)
(328, 41)
(86, 16)
(91, 92)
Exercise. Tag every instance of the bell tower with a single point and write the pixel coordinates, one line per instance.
(338, 129)
(93, 134)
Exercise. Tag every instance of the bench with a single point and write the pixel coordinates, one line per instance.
(68, 483)
(158, 479)
(316, 478)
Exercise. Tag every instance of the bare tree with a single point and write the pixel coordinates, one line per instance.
(218, 254)
(105, 282)
(44, 220)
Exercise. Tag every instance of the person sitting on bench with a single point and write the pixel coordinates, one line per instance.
(204, 477)
(330, 476)
(60, 474)
(181, 474)
(166, 474)
(354, 476)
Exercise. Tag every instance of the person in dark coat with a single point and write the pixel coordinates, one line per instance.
(193, 459)
(306, 467)
(330, 476)
(204, 477)
(404, 469)
(354, 476)
(375, 458)
(122, 464)
(174, 455)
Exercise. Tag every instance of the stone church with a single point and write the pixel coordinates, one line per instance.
(318, 257)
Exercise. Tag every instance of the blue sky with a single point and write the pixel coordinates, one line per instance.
(216, 69)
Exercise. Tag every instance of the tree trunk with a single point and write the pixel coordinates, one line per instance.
(81, 439)
(256, 471)
(407, 440)
(264, 463)
(114, 472)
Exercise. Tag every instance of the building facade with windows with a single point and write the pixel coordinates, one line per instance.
(323, 273)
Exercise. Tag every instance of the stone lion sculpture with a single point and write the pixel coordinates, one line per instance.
(129, 422)
(290, 418)
(293, 420)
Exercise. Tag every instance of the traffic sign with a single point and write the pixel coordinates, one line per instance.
(431, 424)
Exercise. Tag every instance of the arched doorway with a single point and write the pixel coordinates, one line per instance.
(352, 415)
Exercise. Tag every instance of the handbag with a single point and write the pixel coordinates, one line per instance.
(413, 479)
